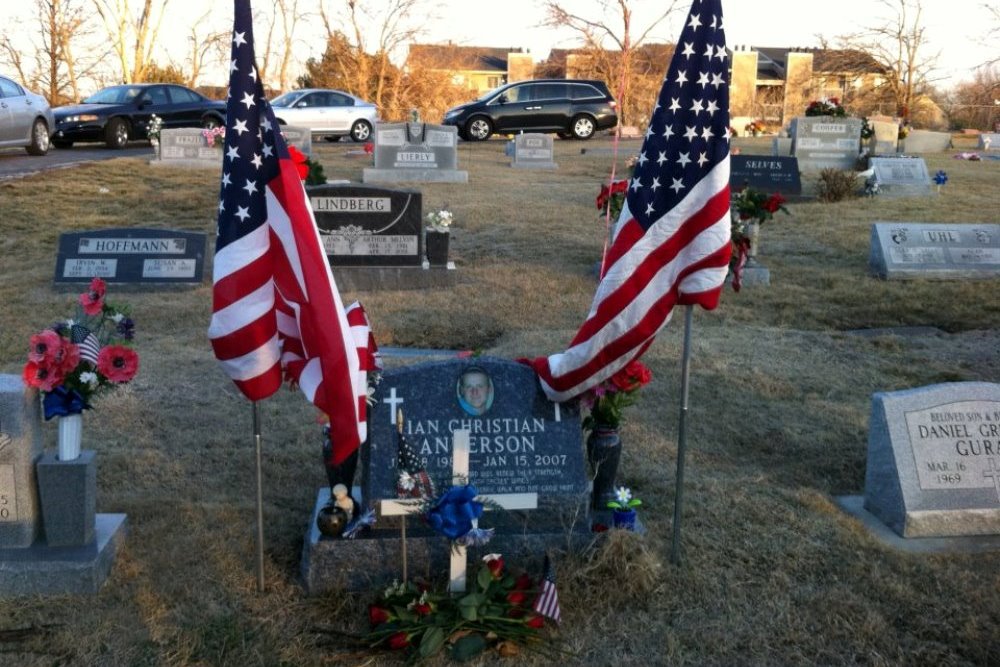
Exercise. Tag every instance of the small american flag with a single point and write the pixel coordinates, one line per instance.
(89, 346)
(276, 311)
(547, 603)
(671, 244)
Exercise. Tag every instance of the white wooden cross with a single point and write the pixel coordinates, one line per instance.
(460, 475)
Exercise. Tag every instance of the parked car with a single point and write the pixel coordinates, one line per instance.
(333, 113)
(25, 118)
(118, 114)
(572, 108)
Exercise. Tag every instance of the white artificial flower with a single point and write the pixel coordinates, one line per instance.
(89, 378)
(405, 481)
(488, 558)
(623, 495)
(117, 318)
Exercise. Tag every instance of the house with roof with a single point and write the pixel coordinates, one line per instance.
(475, 68)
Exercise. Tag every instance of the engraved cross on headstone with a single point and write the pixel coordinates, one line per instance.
(994, 472)
(460, 475)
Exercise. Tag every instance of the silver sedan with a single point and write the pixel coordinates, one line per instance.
(25, 118)
(329, 112)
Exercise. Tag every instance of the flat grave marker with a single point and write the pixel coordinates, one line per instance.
(131, 255)
(902, 176)
(533, 151)
(947, 251)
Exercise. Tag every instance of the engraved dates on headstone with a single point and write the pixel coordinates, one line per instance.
(821, 142)
(901, 176)
(935, 250)
(126, 255)
(770, 174)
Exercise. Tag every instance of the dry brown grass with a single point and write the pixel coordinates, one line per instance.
(773, 573)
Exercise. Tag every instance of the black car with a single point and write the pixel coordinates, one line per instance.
(573, 108)
(118, 114)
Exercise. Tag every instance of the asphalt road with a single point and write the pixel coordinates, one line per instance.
(15, 162)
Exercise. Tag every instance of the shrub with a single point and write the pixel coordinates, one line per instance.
(837, 184)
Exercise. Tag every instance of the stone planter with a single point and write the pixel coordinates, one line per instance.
(67, 491)
(436, 248)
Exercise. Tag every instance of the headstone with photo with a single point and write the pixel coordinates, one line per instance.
(761, 172)
(186, 147)
(826, 142)
(415, 152)
(884, 139)
(131, 255)
(926, 141)
(989, 141)
(934, 460)
(947, 251)
(533, 151)
(902, 176)
(519, 443)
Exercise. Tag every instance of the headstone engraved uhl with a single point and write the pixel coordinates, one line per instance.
(821, 142)
(770, 174)
(901, 250)
(533, 151)
(419, 152)
(934, 460)
(131, 255)
(902, 176)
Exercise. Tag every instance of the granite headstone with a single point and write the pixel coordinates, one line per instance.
(417, 152)
(20, 449)
(131, 255)
(989, 141)
(934, 460)
(902, 176)
(781, 146)
(300, 137)
(901, 250)
(826, 142)
(770, 174)
(884, 139)
(926, 141)
(186, 147)
(533, 151)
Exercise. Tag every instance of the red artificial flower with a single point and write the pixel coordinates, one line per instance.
(516, 598)
(42, 377)
(834, 101)
(299, 159)
(369, 148)
(535, 622)
(619, 186)
(633, 376)
(523, 582)
(399, 640)
(45, 346)
(421, 609)
(66, 357)
(117, 363)
(377, 615)
(774, 203)
(516, 612)
(495, 564)
(93, 299)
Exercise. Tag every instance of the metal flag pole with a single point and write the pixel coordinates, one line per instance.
(260, 501)
(675, 546)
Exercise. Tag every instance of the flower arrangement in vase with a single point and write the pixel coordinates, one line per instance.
(215, 137)
(826, 107)
(751, 208)
(437, 238)
(77, 359)
(309, 170)
(754, 128)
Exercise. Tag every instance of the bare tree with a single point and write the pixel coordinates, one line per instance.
(993, 32)
(133, 30)
(202, 47)
(608, 41)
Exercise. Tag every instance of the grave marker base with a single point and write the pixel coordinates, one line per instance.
(367, 279)
(414, 176)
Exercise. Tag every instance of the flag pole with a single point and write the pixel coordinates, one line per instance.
(675, 546)
(260, 501)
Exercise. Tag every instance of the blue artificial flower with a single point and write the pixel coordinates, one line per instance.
(941, 177)
(61, 402)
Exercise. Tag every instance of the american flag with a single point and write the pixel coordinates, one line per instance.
(276, 309)
(671, 243)
(547, 603)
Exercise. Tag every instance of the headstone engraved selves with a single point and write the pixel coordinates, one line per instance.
(31, 563)
(934, 460)
(826, 142)
(519, 443)
(300, 137)
(127, 255)
(949, 251)
(902, 176)
(761, 172)
(186, 147)
(533, 151)
(884, 139)
(925, 141)
(417, 152)
(989, 141)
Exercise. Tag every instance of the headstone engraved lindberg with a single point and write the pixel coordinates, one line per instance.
(934, 460)
(902, 176)
(186, 147)
(418, 152)
(770, 174)
(533, 151)
(822, 142)
(20, 449)
(901, 250)
(127, 255)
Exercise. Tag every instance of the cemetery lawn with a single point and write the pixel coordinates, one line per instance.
(773, 573)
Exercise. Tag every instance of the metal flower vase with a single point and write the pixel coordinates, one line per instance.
(70, 436)
(604, 449)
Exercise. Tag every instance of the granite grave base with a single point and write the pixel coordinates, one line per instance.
(367, 279)
(374, 560)
(189, 164)
(68, 493)
(81, 570)
(371, 175)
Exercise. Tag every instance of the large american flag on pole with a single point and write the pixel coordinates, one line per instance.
(276, 311)
(671, 243)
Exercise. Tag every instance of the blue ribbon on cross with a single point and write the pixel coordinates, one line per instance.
(453, 513)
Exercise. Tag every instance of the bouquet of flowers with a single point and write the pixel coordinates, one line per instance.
(608, 400)
(153, 128)
(749, 206)
(309, 170)
(498, 611)
(611, 199)
(826, 107)
(214, 136)
(74, 360)
(624, 501)
(754, 127)
(439, 221)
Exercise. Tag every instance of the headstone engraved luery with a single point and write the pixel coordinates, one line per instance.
(128, 255)
(418, 152)
(520, 442)
(822, 142)
(767, 173)
(934, 460)
(902, 176)
(186, 147)
(533, 151)
(947, 251)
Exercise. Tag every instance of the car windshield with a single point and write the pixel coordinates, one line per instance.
(487, 95)
(114, 95)
(284, 100)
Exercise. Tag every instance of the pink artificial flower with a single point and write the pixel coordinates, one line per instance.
(118, 363)
(93, 299)
(44, 346)
(41, 376)
(67, 357)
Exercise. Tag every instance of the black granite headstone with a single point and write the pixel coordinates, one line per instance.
(127, 255)
(368, 226)
(765, 172)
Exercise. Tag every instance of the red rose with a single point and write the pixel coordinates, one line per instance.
(44, 346)
(535, 622)
(299, 159)
(377, 615)
(633, 376)
(516, 598)
(495, 564)
(421, 609)
(93, 299)
(774, 203)
(369, 147)
(619, 186)
(399, 640)
(523, 583)
(117, 363)
(516, 612)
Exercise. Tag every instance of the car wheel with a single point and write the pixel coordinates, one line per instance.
(583, 127)
(62, 144)
(39, 139)
(210, 122)
(361, 130)
(116, 133)
(479, 128)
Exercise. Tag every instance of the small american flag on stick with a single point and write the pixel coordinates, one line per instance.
(547, 603)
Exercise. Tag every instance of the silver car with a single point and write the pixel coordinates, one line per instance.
(333, 113)
(25, 118)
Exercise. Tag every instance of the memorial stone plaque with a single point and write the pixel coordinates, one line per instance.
(902, 176)
(934, 460)
(368, 226)
(989, 141)
(925, 141)
(520, 441)
(418, 152)
(130, 255)
(187, 147)
(20, 449)
(884, 139)
(822, 142)
(770, 174)
(533, 151)
(901, 250)
(300, 137)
